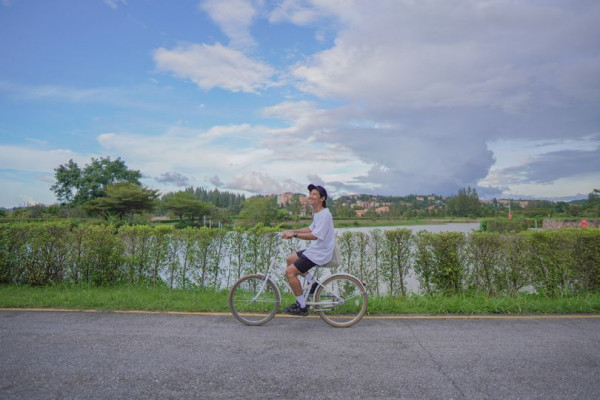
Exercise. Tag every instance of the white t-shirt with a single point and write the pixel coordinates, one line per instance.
(321, 250)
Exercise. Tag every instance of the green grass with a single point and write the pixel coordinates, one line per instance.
(480, 304)
(164, 299)
(112, 298)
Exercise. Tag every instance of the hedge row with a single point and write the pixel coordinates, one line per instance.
(549, 262)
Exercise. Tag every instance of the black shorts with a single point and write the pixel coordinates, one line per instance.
(303, 264)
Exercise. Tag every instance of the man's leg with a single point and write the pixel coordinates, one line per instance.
(292, 273)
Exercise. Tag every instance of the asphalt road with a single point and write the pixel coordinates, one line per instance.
(75, 355)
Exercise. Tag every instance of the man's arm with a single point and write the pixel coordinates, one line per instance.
(302, 233)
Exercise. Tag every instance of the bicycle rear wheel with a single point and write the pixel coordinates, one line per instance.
(342, 300)
(254, 300)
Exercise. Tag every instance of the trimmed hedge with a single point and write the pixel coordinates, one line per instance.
(549, 262)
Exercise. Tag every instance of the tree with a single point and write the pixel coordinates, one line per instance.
(465, 204)
(592, 208)
(76, 186)
(183, 204)
(259, 210)
(123, 198)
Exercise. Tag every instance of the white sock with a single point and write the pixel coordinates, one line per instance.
(301, 301)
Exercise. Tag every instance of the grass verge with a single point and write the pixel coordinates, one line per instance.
(164, 299)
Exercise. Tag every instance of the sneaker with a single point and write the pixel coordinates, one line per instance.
(295, 309)
(313, 288)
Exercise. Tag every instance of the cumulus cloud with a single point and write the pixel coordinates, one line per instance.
(174, 178)
(40, 160)
(436, 82)
(234, 18)
(408, 97)
(424, 86)
(551, 166)
(294, 11)
(216, 181)
(189, 151)
(211, 66)
(440, 54)
(255, 182)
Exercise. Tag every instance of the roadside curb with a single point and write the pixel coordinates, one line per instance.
(374, 317)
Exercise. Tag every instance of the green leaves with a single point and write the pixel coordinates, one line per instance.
(75, 186)
(122, 199)
(259, 210)
(183, 205)
(553, 263)
(465, 204)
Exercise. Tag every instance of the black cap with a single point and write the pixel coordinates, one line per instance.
(321, 190)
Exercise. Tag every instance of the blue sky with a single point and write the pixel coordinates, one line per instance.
(386, 97)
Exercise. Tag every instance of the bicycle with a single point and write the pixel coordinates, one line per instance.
(340, 300)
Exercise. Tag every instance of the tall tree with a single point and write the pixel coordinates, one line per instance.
(592, 207)
(122, 199)
(259, 210)
(465, 204)
(183, 204)
(76, 186)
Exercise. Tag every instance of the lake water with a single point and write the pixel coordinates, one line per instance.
(452, 227)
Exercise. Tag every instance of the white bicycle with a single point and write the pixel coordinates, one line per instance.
(340, 300)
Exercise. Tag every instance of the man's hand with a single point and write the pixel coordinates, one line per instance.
(287, 234)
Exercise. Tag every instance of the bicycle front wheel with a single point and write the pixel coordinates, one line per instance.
(254, 299)
(341, 300)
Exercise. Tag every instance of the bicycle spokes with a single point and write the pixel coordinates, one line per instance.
(341, 301)
(254, 300)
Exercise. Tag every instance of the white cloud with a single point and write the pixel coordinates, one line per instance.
(27, 159)
(211, 66)
(440, 54)
(175, 178)
(17, 191)
(234, 18)
(255, 182)
(294, 11)
(237, 157)
(26, 174)
(186, 150)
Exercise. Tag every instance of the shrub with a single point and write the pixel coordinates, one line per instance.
(440, 261)
(399, 244)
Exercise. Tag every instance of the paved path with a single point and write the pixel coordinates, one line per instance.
(45, 355)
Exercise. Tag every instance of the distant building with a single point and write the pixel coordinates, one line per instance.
(283, 199)
(360, 213)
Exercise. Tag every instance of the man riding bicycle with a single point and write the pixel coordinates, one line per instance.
(320, 251)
